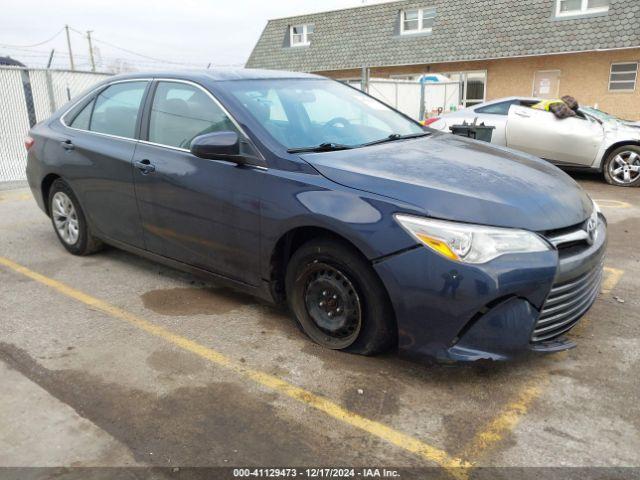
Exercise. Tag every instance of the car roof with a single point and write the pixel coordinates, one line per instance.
(506, 99)
(218, 75)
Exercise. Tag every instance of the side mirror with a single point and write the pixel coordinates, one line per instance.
(218, 146)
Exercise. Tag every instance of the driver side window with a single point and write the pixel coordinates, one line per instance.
(180, 112)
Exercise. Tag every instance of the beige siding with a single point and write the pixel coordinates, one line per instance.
(583, 75)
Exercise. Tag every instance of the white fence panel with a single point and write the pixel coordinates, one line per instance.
(406, 96)
(408, 99)
(441, 96)
(14, 124)
(29, 96)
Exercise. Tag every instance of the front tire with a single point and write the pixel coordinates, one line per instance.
(622, 167)
(338, 300)
(69, 221)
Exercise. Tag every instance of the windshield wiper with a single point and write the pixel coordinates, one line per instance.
(332, 147)
(395, 136)
(323, 147)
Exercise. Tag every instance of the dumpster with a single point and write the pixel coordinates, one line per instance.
(480, 132)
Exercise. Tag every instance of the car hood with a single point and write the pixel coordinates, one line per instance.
(630, 129)
(450, 177)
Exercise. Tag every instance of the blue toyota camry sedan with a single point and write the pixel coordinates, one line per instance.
(377, 232)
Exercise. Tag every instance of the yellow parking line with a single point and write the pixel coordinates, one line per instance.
(455, 466)
(14, 196)
(506, 421)
(611, 278)
(605, 203)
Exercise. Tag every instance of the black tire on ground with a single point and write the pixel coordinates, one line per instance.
(630, 154)
(86, 243)
(363, 303)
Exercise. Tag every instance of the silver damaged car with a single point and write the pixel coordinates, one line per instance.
(589, 141)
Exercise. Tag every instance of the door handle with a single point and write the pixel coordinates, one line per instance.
(145, 166)
(67, 145)
(523, 115)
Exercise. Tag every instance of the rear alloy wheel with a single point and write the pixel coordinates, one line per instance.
(338, 300)
(65, 218)
(69, 221)
(622, 168)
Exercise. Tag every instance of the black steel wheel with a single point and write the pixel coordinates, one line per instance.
(338, 299)
(333, 305)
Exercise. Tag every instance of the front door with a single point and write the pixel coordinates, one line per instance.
(205, 213)
(99, 147)
(570, 141)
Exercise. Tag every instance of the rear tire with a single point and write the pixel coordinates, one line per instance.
(338, 300)
(69, 221)
(622, 167)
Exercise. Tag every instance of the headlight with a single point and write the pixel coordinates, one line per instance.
(592, 223)
(470, 243)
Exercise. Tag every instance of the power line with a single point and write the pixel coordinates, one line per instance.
(128, 51)
(131, 52)
(147, 61)
(35, 44)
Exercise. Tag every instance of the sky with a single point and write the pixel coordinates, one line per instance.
(157, 34)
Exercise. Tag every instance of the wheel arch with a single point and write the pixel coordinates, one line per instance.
(295, 238)
(292, 240)
(45, 188)
(615, 146)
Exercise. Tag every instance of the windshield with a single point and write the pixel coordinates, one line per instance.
(301, 113)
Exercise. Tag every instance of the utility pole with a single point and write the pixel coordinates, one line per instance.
(53, 50)
(93, 62)
(364, 79)
(73, 67)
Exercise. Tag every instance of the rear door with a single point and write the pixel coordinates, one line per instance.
(570, 141)
(205, 213)
(496, 115)
(96, 150)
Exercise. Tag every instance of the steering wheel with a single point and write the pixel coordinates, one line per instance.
(336, 121)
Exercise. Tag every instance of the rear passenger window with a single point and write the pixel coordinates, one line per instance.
(181, 112)
(117, 108)
(82, 119)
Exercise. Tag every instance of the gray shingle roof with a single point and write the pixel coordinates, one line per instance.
(464, 30)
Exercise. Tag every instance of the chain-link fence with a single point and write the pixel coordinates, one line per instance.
(29, 96)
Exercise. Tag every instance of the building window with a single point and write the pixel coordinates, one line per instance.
(566, 8)
(417, 21)
(623, 77)
(301, 34)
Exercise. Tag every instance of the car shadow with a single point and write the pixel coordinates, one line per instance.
(191, 296)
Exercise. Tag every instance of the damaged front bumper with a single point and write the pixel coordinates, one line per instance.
(460, 312)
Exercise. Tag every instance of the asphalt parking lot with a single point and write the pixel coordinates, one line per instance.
(111, 360)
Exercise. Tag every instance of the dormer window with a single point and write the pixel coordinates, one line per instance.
(569, 8)
(301, 34)
(417, 20)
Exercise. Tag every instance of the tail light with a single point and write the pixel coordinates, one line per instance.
(28, 143)
(429, 121)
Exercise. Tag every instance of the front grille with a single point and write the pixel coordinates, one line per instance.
(566, 303)
(571, 240)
